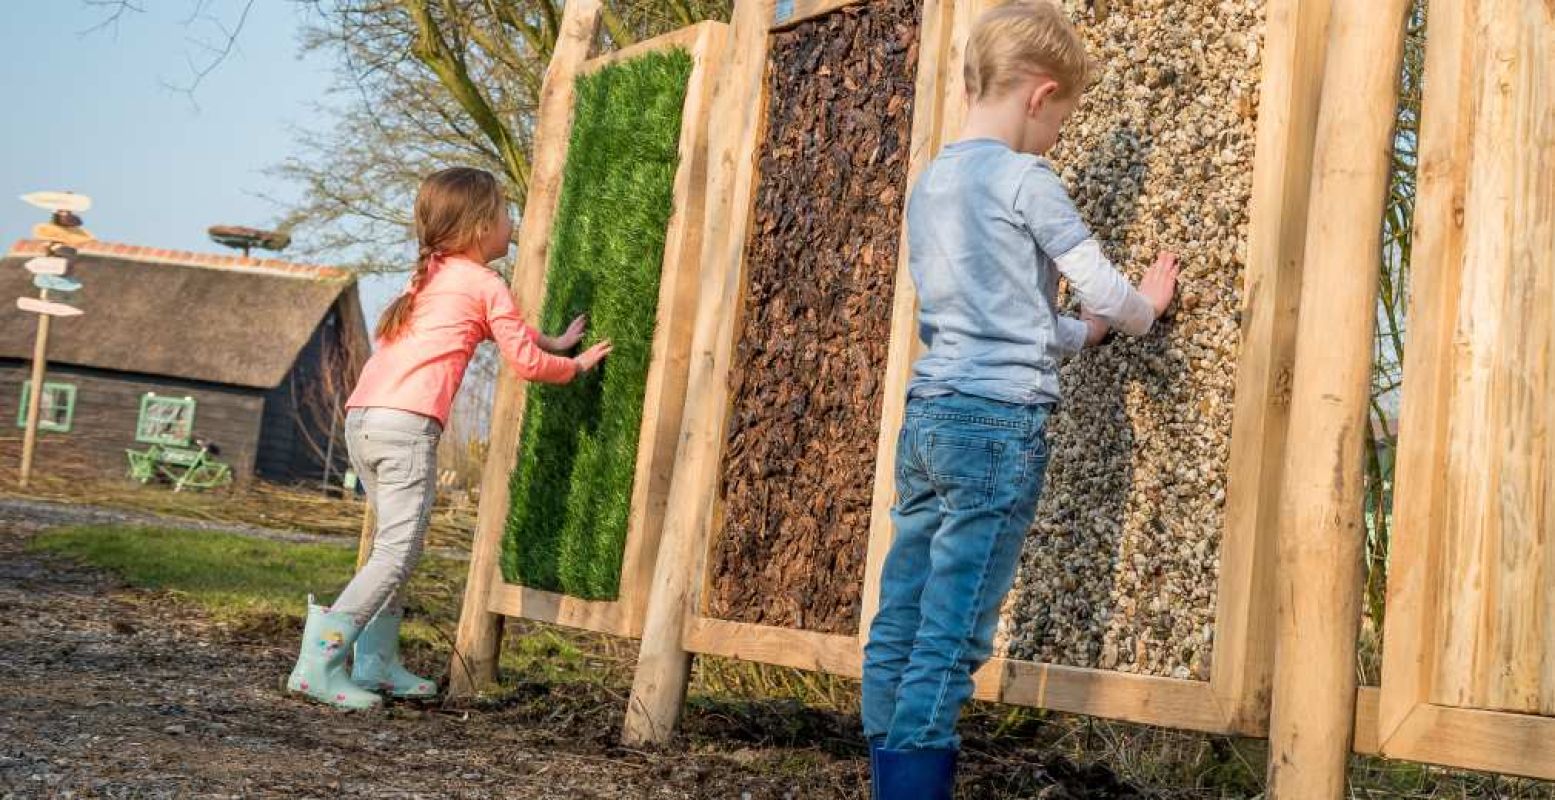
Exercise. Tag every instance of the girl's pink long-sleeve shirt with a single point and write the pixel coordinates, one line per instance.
(460, 305)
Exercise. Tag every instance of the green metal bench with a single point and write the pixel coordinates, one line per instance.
(181, 466)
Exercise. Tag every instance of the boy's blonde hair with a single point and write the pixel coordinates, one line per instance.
(1021, 39)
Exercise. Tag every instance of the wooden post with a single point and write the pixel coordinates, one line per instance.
(476, 646)
(40, 349)
(1291, 86)
(663, 665)
(364, 544)
(1318, 578)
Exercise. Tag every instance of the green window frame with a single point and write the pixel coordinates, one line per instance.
(165, 420)
(58, 402)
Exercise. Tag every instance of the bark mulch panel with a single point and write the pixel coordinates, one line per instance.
(815, 321)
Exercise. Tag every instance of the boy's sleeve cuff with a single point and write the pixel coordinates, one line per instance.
(1071, 335)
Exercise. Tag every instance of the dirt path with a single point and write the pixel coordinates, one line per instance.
(111, 691)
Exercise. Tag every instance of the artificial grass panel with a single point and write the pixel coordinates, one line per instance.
(572, 488)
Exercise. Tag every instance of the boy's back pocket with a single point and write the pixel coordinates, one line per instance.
(964, 468)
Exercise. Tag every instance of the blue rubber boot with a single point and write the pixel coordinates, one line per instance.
(321, 663)
(875, 746)
(915, 774)
(377, 664)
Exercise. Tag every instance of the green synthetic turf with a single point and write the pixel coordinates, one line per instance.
(572, 489)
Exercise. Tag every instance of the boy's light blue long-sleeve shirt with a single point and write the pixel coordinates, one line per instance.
(989, 232)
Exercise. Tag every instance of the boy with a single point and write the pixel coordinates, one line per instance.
(990, 229)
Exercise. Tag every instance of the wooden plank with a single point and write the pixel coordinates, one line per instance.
(935, 63)
(1410, 640)
(1318, 585)
(663, 665)
(1290, 88)
(1144, 699)
(511, 600)
(474, 661)
(790, 13)
(1367, 707)
(784, 647)
(689, 38)
(679, 290)
(1497, 430)
(1495, 741)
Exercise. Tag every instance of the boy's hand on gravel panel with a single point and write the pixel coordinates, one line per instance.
(592, 356)
(1160, 282)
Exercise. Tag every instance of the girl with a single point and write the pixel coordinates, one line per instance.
(397, 412)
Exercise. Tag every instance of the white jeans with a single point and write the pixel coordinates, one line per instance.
(394, 454)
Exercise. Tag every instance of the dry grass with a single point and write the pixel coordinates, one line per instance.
(302, 507)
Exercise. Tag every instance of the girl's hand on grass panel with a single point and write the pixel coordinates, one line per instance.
(573, 335)
(591, 357)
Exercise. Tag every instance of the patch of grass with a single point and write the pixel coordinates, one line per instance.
(231, 576)
(262, 585)
(572, 487)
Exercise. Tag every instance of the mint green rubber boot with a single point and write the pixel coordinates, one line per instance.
(321, 664)
(378, 665)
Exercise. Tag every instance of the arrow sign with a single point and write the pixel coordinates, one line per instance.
(56, 283)
(59, 201)
(47, 265)
(37, 306)
(58, 233)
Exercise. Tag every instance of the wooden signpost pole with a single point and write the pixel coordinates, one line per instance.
(62, 232)
(35, 394)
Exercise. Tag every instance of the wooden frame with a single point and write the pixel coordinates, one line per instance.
(1473, 516)
(1235, 699)
(487, 593)
(754, 26)
(666, 388)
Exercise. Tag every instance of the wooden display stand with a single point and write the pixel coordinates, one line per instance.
(1468, 668)
(488, 596)
(1235, 699)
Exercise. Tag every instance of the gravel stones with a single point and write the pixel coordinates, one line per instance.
(1121, 569)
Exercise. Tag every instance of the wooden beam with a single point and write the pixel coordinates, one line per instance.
(1410, 643)
(474, 662)
(1492, 630)
(1144, 699)
(679, 292)
(369, 533)
(1291, 85)
(511, 600)
(785, 647)
(1318, 585)
(663, 664)
(935, 64)
(1516, 744)
(1367, 702)
(789, 13)
(688, 38)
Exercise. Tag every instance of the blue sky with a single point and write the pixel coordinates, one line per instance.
(91, 112)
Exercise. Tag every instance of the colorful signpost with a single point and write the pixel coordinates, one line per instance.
(63, 232)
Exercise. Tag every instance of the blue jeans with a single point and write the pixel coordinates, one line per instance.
(968, 475)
